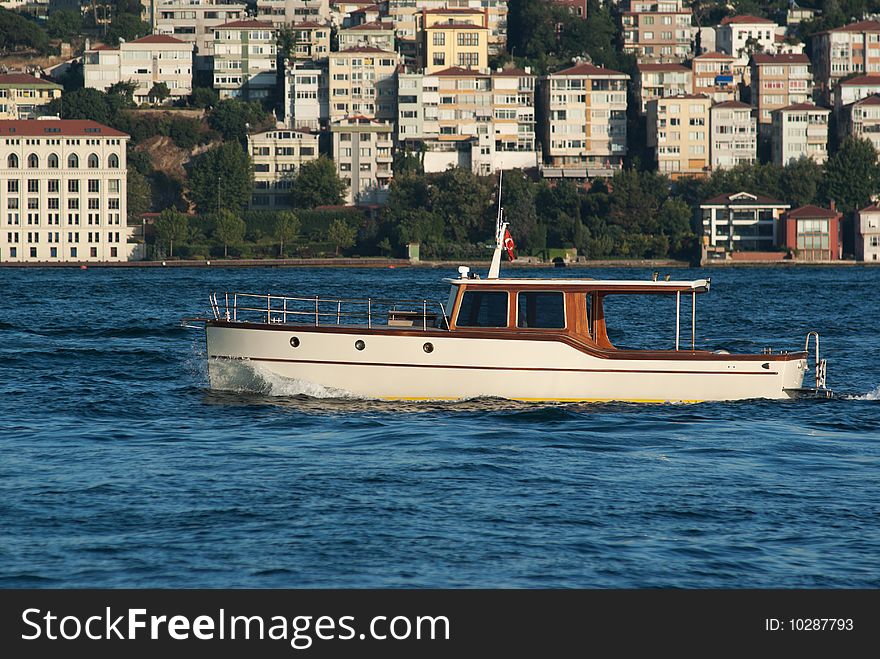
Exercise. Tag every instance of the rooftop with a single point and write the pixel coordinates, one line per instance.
(733, 104)
(157, 38)
(859, 81)
(53, 127)
(587, 69)
(246, 24)
(782, 58)
(26, 80)
(811, 211)
(744, 199)
(747, 19)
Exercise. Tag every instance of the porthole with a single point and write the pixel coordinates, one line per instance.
(294, 342)
(428, 347)
(360, 345)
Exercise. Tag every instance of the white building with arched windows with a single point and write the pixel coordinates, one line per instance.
(62, 192)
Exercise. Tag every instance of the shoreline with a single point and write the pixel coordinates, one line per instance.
(371, 262)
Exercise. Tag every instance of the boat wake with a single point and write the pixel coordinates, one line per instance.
(250, 377)
(871, 395)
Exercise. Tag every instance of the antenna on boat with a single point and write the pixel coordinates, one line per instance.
(500, 228)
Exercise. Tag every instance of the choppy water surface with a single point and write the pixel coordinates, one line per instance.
(120, 468)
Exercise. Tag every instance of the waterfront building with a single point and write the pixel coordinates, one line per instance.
(362, 83)
(22, 96)
(741, 221)
(843, 51)
(800, 131)
(778, 81)
(455, 38)
(376, 35)
(306, 95)
(812, 233)
(716, 76)
(742, 36)
(660, 80)
(362, 153)
(245, 59)
(657, 30)
(734, 135)
(285, 12)
(678, 132)
(277, 154)
(146, 62)
(62, 192)
(194, 21)
(868, 233)
(584, 127)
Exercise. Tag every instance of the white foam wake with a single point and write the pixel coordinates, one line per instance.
(871, 395)
(242, 376)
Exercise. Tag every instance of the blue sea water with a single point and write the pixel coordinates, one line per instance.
(119, 467)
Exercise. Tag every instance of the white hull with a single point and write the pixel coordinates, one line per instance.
(394, 366)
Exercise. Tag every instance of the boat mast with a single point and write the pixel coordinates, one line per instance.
(500, 228)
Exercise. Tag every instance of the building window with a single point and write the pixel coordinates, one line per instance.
(12, 161)
(53, 161)
(33, 161)
(73, 161)
(93, 161)
(113, 161)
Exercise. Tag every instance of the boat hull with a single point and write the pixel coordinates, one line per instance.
(442, 366)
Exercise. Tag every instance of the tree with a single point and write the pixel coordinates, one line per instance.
(286, 42)
(463, 201)
(231, 118)
(852, 175)
(64, 24)
(138, 193)
(203, 97)
(222, 177)
(341, 234)
(18, 34)
(82, 104)
(159, 92)
(317, 184)
(287, 227)
(126, 27)
(120, 95)
(171, 226)
(228, 229)
(518, 201)
(800, 182)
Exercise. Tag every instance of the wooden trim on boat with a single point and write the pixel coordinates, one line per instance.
(503, 333)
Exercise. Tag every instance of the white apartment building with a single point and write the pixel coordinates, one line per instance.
(306, 96)
(62, 192)
(277, 154)
(362, 153)
(245, 59)
(146, 61)
(285, 12)
(868, 234)
(740, 36)
(862, 120)
(659, 80)
(584, 131)
(194, 21)
(362, 83)
(734, 135)
(855, 89)
(800, 131)
(376, 35)
(678, 131)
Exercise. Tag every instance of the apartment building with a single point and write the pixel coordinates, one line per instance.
(741, 221)
(862, 120)
(62, 192)
(800, 131)
(194, 21)
(245, 59)
(22, 96)
(678, 131)
(375, 34)
(362, 153)
(855, 89)
(481, 121)
(306, 96)
(716, 76)
(409, 20)
(277, 154)
(362, 83)
(868, 233)
(311, 41)
(584, 126)
(455, 37)
(778, 81)
(285, 12)
(658, 30)
(660, 80)
(741, 36)
(837, 53)
(146, 62)
(733, 135)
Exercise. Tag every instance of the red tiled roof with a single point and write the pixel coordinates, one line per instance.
(458, 71)
(860, 26)
(732, 104)
(294, 26)
(873, 99)
(871, 208)
(157, 38)
(745, 18)
(366, 49)
(457, 26)
(860, 81)
(784, 58)
(52, 127)
(715, 55)
(246, 24)
(587, 69)
(663, 67)
(512, 72)
(25, 79)
(803, 106)
(758, 200)
(811, 211)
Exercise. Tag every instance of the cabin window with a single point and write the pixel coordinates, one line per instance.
(541, 309)
(483, 309)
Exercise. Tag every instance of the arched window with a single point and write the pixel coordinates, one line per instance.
(73, 161)
(33, 161)
(12, 161)
(53, 161)
(93, 161)
(113, 161)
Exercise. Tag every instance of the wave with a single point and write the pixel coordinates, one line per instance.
(250, 377)
(871, 395)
